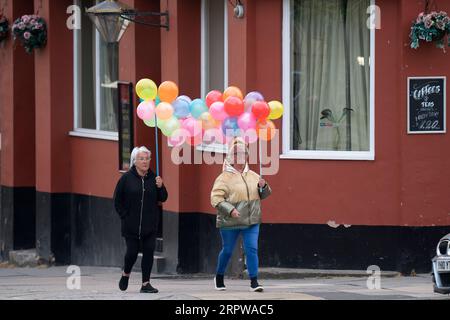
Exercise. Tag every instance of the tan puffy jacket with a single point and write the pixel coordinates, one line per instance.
(241, 192)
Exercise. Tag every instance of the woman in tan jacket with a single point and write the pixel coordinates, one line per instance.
(237, 194)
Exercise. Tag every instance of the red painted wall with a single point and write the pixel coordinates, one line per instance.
(425, 170)
(54, 100)
(17, 110)
(407, 184)
(94, 166)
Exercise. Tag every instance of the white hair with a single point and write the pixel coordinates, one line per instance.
(135, 152)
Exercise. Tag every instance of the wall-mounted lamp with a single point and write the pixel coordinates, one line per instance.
(111, 18)
(238, 8)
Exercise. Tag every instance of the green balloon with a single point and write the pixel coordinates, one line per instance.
(160, 123)
(150, 123)
(170, 125)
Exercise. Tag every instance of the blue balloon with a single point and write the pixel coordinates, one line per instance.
(230, 127)
(157, 101)
(181, 108)
(197, 107)
(189, 100)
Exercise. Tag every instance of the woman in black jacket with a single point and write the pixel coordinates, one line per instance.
(136, 199)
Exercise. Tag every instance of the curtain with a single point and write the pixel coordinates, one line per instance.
(108, 89)
(330, 76)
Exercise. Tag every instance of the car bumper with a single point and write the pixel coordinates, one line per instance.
(441, 278)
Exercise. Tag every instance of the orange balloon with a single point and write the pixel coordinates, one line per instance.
(265, 130)
(164, 111)
(168, 91)
(232, 92)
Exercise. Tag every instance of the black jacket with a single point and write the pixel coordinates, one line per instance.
(137, 209)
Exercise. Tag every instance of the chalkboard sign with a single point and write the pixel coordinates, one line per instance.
(426, 105)
(126, 141)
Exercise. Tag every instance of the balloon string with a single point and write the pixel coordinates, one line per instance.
(156, 143)
(260, 162)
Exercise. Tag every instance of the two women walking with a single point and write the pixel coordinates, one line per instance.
(236, 194)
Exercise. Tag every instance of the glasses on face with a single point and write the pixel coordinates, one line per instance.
(143, 159)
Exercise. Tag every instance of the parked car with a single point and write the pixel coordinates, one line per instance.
(441, 266)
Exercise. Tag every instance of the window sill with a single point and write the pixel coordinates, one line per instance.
(214, 147)
(329, 155)
(94, 134)
(217, 148)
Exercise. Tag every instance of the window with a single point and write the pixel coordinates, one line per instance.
(328, 80)
(214, 60)
(95, 81)
(214, 54)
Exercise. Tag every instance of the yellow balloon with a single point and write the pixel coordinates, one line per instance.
(146, 89)
(208, 122)
(276, 110)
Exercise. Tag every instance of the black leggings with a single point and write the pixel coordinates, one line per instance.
(148, 247)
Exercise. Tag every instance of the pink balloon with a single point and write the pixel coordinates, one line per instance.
(217, 111)
(146, 110)
(247, 121)
(192, 126)
(250, 136)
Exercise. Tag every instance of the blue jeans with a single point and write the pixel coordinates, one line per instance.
(229, 237)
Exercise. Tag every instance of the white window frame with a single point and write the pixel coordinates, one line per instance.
(213, 147)
(78, 131)
(288, 153)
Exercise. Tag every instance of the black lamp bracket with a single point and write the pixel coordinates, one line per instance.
(131, 15)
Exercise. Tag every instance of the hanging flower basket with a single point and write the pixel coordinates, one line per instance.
(4, 28)
(431, 27)
(31, 31)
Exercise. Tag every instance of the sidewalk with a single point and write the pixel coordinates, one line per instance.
(100, 283)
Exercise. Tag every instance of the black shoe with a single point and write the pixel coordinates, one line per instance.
(148, 289)
(255, 287)
(218, 283)
(123, 283)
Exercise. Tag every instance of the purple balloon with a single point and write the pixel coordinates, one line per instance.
(230, 127)
(250, 98)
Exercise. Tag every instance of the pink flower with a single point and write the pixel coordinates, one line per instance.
(428, 22)
(26, 35)
(25, 19)
(420, 17)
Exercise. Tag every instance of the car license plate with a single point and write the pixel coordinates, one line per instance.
(443, 265)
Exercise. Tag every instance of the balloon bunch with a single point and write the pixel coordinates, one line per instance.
(218, 118)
